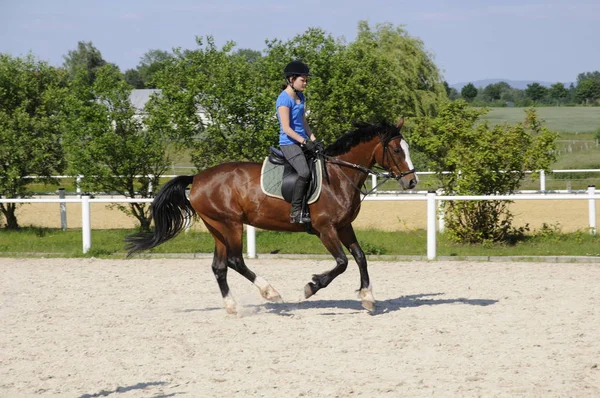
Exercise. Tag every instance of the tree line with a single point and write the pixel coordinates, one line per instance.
(586, 91)
(217, 104)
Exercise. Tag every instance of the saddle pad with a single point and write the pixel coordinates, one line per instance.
(271, 176)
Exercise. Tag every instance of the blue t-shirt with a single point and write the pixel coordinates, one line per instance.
(296, 117)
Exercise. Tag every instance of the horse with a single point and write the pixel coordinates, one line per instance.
(229, 195)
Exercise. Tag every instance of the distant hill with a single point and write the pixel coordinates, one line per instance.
(520, 84)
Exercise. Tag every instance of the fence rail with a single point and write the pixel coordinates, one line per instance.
(432, 198)
(541, 173)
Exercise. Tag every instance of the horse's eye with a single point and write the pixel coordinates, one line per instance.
(397, 150)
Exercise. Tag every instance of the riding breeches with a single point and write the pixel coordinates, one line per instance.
(294, 154)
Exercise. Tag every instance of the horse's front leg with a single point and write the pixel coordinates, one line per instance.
(331, 241)
(348, 238)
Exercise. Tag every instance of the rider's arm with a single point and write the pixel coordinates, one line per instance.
(309, 132)
(284, 117)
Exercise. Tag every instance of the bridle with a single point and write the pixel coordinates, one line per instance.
(386, 152)
(386, 175)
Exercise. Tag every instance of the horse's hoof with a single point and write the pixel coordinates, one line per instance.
(366, 298)
(230, 305)
(368, 305)
(275, 298)
(231, 310)
(271, 295)
(308, 290)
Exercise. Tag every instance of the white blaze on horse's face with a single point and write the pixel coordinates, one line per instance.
(408, 181)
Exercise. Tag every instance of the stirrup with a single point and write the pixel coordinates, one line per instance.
(305, 218)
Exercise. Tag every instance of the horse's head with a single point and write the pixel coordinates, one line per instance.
(392, 154)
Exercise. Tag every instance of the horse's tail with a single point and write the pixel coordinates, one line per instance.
(170, 210)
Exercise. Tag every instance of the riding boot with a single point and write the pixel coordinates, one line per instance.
(297, 197)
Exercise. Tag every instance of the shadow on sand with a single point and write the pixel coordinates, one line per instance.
(382, 307)
(139, 386)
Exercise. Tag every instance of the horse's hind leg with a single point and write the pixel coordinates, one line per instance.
(236, 262)
(219, 268)
(228, 239)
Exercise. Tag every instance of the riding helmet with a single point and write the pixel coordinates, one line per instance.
(296, 68)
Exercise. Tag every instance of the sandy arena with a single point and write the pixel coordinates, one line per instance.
(157, 328)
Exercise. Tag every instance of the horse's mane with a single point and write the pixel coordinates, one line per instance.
(363, 132)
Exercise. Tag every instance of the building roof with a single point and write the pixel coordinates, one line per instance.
(139, 97)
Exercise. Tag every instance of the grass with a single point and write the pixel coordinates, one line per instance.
(563, 119)
(109, 243)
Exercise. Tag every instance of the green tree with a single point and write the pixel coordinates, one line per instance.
(223, 106)
(587, 91)
(134, 78)
(151, 63)
(249, 55)
(213, 102)
(451, 92)
(86, 57)
(107, 142)
(478, 158)
(469, 92)
(30, 132)
(384, 74)
(536, 91)
(558, 92)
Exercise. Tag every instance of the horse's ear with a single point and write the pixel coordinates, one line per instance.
(400, 122)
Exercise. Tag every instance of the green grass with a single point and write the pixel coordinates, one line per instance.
(109, 243)
(563, 119)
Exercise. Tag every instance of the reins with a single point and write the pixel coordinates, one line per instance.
(385, 175)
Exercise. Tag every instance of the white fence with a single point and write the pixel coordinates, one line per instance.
(432, 214)
(541, 173)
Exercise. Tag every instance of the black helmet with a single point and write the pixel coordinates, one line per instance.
(296, 68)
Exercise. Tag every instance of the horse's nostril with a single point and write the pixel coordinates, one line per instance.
(412, 184)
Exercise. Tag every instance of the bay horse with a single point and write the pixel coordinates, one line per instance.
(229, 195)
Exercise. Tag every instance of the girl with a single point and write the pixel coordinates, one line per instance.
(295, 135)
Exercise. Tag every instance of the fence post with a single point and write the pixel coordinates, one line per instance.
(431, 219)
(251, 241)
(441, 214)
(78, 183)
(374, 183)
(592, 208)
(542, 180)
(86, 224)
(63, 209)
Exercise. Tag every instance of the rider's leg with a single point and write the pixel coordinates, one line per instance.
(295, 155)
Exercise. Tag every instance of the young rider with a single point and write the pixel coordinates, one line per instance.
(295, 134)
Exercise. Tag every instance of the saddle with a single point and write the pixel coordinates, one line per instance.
(278, 177)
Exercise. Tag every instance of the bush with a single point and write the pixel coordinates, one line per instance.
(477, 158)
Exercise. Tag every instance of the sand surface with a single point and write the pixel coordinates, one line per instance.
(157, 328)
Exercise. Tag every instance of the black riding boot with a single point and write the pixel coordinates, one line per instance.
(297, 197)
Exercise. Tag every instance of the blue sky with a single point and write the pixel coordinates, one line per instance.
(551, 40)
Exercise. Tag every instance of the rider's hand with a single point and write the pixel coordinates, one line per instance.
(319, 146)
(309, 145)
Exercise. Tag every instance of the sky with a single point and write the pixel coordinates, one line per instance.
(470, 40)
